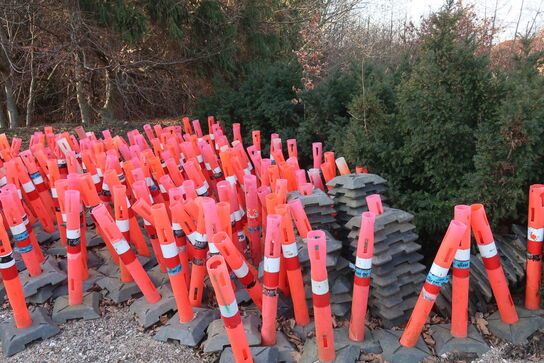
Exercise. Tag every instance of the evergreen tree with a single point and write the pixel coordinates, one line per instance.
(448, 94)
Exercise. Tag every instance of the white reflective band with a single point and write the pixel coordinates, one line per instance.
(241, 271)
(320, 287)
(242, 212)
(3, 180)
(192, 237)
(18, 229)
(64, 218)
(37, 180)
(99, 171)
(146, 222)
(228, 311)
(488, 250)
(231, 179)
(212, 136)
(7, 264)
(203, 189)
(290, 250)
(123, 225)
(363, 263)
(128, 203)
(216, 170)
(29, 187)
(199, 158)
(96, 178)
(428, 296)
(272, 264)
(20, 194)
(232, 218)
(438, 270)
(247, 171)
(148, 181)
(162, 188)
(249, 166)
(54, 192)
(200, 237)
(535, 234)
(176, 226)
(73, 233)
(199, 139)
(223, 148)
(237, 215)
(212, 248)
(462, 255)
(170, 250)
(208, 166)
(105, 186)
(241, 235)
(121, 246)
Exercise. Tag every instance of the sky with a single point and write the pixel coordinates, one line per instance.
(508, 12)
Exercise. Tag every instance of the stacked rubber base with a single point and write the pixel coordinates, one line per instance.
(397, 274)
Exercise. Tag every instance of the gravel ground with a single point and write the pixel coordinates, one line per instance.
(114, 338)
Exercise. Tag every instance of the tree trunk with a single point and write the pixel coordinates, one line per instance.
(3, 119)
(7, 74)
(82, 100)
(106, 111)
(13, 114)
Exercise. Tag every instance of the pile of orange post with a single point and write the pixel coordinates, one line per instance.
(213, 207)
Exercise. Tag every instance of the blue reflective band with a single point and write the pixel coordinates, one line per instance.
(359, 272)
(153, 187)
(35, 175)
(20, 236)
(437, 280)
(461, 264)
(253, 229)
(24, 249)
(173, 271)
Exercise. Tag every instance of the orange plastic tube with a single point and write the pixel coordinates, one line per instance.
(315, 178)
(200, 250)
(461, 276)
(317, 249)
(490, 257)
(271, 279)
(342, 166)
(437, 276)
(374, 203)
(224, 294)
(113, 236)
(361, 282)
(253, 220)
(173, 265)
(13, 213)
(12, 283)
(317, 151)
(72, 205)
(300, 217)
(292, 266)
(535, 236)
(245, 273)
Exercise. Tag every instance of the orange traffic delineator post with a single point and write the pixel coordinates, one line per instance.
(12, 282)
(245, 273)
(461, 276)
(535, 236)
(271, 264)
(437, 276)
(14, 214)
(342, 166)
(253, 220)
(361, 283)
(317, 249)
(200, 252)
(219, 277)
(300, 217)
(490, 257)
(72, 204)
(113, 236)
(292, 266)
(173, 265)
(120, 207)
